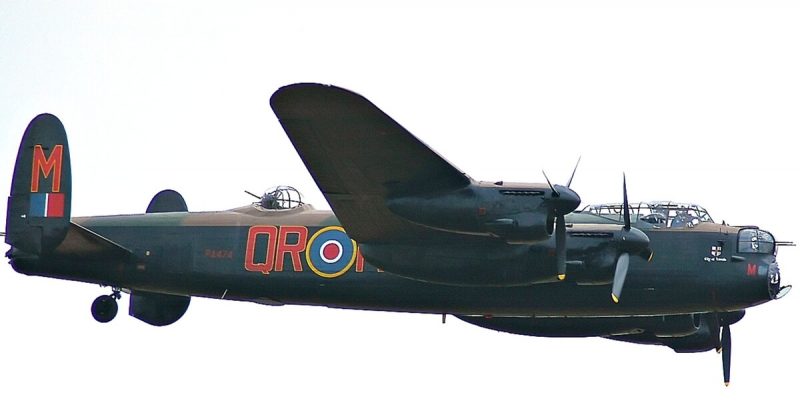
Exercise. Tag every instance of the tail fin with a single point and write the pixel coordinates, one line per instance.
(41, 189)
(167, 201)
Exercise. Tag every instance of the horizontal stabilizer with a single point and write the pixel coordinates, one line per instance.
(84, 243)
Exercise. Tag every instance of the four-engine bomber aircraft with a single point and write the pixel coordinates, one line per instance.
(409, 232)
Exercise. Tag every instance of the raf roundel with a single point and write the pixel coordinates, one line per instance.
(330, 253)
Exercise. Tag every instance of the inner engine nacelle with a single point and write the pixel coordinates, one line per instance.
(597, 247)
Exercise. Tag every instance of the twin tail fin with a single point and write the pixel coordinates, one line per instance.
(38, 216)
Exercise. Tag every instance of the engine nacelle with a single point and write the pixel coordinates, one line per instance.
(598, 247)
(518, 213)
(455, 211)
(524, 227)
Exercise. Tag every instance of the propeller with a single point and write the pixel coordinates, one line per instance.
(631, 240)
(725, 320)
(561, 247)
(569, 182)
(725, 340)
(620, 273)
(626, 212)
(555, 193)
(562, 202)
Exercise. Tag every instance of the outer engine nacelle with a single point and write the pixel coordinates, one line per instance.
(524, 227)
(517, 213)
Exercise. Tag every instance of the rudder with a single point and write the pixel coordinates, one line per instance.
(41, 189)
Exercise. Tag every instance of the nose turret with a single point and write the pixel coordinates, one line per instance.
(761, 246)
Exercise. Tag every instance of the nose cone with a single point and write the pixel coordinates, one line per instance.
(566, 201)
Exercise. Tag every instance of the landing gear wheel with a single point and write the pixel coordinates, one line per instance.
(104, 308)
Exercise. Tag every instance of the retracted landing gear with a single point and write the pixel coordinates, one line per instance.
(104, 307)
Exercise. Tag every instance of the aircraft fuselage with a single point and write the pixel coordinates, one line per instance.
(238, 256)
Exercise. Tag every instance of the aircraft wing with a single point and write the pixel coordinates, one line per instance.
(359, 156)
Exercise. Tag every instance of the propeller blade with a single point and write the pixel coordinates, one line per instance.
(555, 193)
(626, 213)
(569, 183)
(726, 354)
(619, 276)
(561, 247)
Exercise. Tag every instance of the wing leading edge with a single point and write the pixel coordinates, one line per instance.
(359, 156)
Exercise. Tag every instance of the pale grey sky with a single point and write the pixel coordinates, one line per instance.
(695, 100)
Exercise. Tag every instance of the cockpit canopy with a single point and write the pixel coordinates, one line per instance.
(661, 214)
(279, 198)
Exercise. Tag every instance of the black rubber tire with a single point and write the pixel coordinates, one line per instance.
(104, 308)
